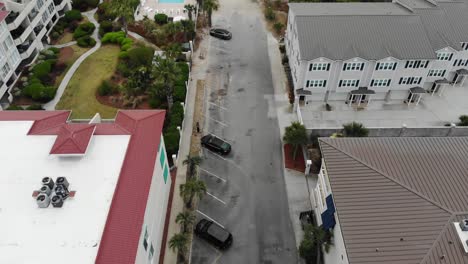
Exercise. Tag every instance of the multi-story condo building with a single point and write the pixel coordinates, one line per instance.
(24, 26)
(355, 52)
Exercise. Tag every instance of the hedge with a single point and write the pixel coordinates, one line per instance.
(86, 41)
(35, 107)
(41, 71)
(85, 29)
(14, 107)
(39, 92)
(140, 56)
(177, 115)
(118, 38)
(160, 19)
(179, 93)
(105, 27)
(171, 141)
(85, 4)
(106, 88)
(73, 15)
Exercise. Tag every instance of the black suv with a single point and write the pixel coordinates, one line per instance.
(214, 234)
(215, 144)
(220, 33)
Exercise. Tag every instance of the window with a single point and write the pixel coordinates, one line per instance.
(44, 17)
(145, 239)
(415, 64)
(410, 80)
(319, 67)
(151, 252)
(464, 45)
(15, 57)
(385, 66)
(5, 70)
(316, 83)
(348, 83)
(165, 173)
(380, 82)
(39, 4)
(447, 56)
(162, 155)
(353, 66)
(457, 63)
(438, 73)
(8, 43)
(51, 8)
(3, 28)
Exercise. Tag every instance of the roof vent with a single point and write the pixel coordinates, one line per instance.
(464, 225)
(57, 201)
(48, 181)
(462, 231)
(62, 191)
(43, 200)
(62, 181)
(45, 189)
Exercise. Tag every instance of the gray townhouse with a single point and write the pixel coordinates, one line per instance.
(358, 52)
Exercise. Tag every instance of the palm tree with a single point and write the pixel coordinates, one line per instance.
(190, 9)
(179, 242)
(295, 135)
(355, 129)
(165, 71)
(209, 6)
(173, 51)
(124, 10)
(315, 239)
(185, 219)
(191, 189)
(463, 120)
(188, 26)
(173, 29)
(192, 162)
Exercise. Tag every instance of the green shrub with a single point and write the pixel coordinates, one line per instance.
(106, 88)
(278, 26)
(85, 4)
(157, 103)
(55, 50)
(123, 69)
(39, 92)
(270, 14)
(113, 37)
(85, 29)
(171, 141)
(123, 54)
(55, 35)
(73, 15)
(140, 56)
(160, 19)
(184, 68)
(126, 47)
(35, 107)
(86, 41)
(463, 120)
(105, 27)
(177, 115)
(41, 71)
(14, 107)
(179, 93)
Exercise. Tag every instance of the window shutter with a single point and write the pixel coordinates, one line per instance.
(324, 83)
(388, 83)
(362, 66)
(401, 80)
(310, 67)
(372, 83)
(406, 65)
(307, 84)
(344, 66)
(460, 62)
(450, 58)
(466, 62)
(357, 83)
(377, 66)
(419, 80)
(328, 66)
(427, 64)
(394, 65)
(443, 73)
(416, 64)
(455, 62)
(341, 82)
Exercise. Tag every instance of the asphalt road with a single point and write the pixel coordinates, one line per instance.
(247, 192)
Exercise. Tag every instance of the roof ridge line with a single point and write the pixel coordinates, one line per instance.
(391, 179)
(447, 224)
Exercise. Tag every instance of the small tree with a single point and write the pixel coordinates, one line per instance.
(179, 242)
(278, 26)
(160, 19)
(189, 9)
(463, 120)
(355, 129)
(209, 6)
(185, 219)
(124, 10)
(173, 51)
(192, 163)
(315, 239)
(165, 71)
(191, 189)
(295, 135)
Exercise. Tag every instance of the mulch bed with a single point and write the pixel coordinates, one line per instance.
(290, 163)
(168, 216)
(65, 54)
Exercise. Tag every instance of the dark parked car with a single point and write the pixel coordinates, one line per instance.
(215, 144)
(214, 234)
(220, 33)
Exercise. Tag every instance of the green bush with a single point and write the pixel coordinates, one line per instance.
(157, 103)
(35, 107)
(463, 120)
(105, 27)
(41, 71)
(106, 88)
(160, 19)
(171, 141)
(14, 107)
(123, 54)
(86, 41)
(73, 15)
(39, 92)
(85, 4)
(112, 37)
(270, 14)
(55, 35)
(278, 26)
(123, 69)
(140, 56)
(55, 50)
(85, 29)
(179, 93)
(177, 115)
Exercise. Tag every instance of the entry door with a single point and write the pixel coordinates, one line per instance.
(363, 98)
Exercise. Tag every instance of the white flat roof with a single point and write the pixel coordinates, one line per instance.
(70, 234)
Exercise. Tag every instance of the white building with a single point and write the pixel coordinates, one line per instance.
(119, 187)
(174, 9)
(24, 26)
(358, 52)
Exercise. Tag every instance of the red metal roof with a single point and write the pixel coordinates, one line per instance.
(119, 242)
(3, 14)
(73, 139)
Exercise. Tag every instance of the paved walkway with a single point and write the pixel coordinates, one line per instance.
(142, 39)
(52, 104)
(59, 46)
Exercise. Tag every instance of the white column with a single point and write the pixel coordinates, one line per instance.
(307, 168)
(442, 87)
(360, 98)
(411, 98)
(435, 89)
(419, 98)
(463, 80)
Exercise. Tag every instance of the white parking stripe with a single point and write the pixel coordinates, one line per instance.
(223, 108)
(216, 198)
(221, 123)
(210, 218)
(217, 155)
(212, 174)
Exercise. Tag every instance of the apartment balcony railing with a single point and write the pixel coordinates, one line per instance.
(38, 29)
(33, 14)
(11, 17)
(57, 2)
(17, 32)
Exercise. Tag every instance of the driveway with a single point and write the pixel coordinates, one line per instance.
(246, 189)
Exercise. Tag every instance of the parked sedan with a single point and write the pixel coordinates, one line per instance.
(220, 33)
(215, 144)
(214, 234)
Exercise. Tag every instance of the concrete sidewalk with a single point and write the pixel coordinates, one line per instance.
(297, 185)
(198, 73)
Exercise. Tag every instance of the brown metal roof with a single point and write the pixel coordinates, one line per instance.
(396, 198)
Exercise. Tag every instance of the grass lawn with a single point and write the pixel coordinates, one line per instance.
(80, 94)
(65, 38)
(77, 52)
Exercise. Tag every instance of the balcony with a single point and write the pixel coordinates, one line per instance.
(33, 14)
(24, 47)
(38, 29)
(17, 32)
(57, 2)
(11, 17)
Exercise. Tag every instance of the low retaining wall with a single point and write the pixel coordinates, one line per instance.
(450, 131)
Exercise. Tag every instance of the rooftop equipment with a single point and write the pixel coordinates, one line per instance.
(48, 181)
(62, 181)
(45, 189)
(57, 201)
(43, 200)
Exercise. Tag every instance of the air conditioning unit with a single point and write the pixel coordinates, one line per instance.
(43, 200)
(48, 181)
(62, 181)
(62, 191)
(45, 189)
(464, 225)
(57, 201)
